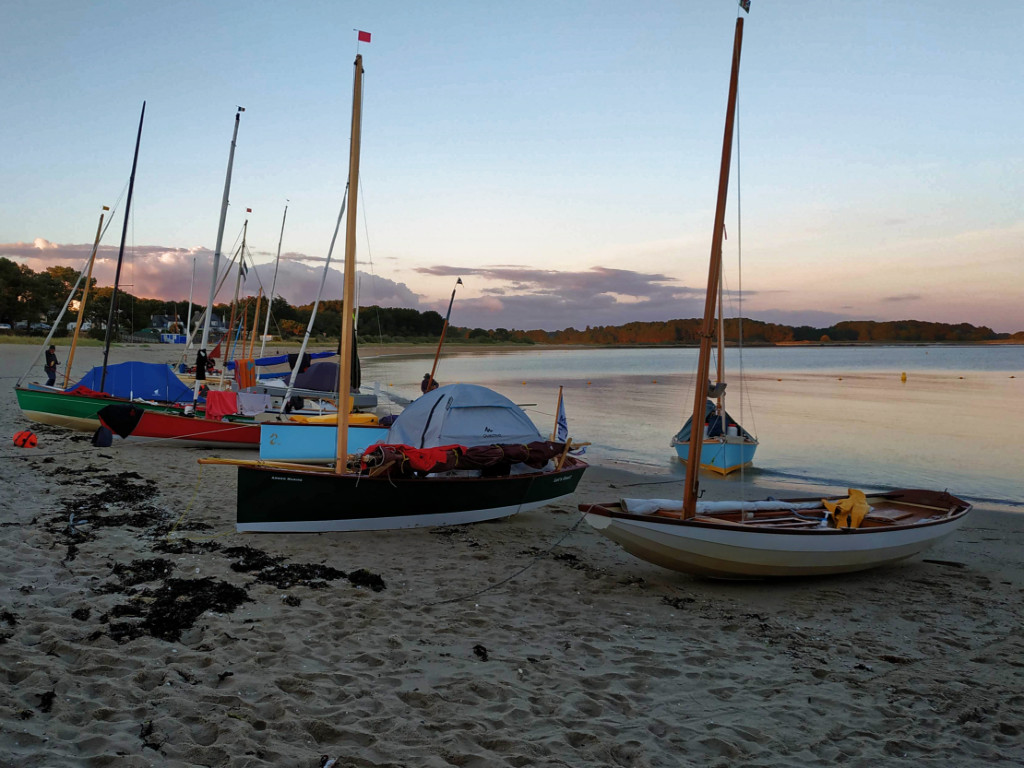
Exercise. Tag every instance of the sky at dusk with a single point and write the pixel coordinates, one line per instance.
(561, 158)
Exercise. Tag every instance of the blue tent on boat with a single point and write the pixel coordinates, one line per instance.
(131, 380)
(462, 414)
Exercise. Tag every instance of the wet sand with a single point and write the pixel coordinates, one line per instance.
(137, 628)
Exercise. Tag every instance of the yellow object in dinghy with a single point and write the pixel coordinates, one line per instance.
(849, 512)
(332, 418)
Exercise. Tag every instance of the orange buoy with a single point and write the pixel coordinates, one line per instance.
(25, 439)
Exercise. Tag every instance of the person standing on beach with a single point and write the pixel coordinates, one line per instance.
(51, 365)
(428, 383)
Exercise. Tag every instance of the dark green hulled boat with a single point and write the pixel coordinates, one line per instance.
(307, 500)
(151, 386)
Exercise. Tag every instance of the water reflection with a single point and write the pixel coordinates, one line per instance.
(817, 427)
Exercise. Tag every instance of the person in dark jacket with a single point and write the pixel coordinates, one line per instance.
(428, 383)
(51, 365)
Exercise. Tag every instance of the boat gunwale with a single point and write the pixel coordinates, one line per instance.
(571, 464)
(614, 511)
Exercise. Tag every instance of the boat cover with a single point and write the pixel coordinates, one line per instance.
(714, 425)
(462, 414)
(323, 377)
(282, 359)
(149, 381)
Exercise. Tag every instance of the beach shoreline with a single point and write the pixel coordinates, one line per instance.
(137, 628)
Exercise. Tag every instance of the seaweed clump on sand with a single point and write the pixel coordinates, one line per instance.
(140, 571)
(128, 490)
(10, 620)
(184, 546)
(170, 609)
(267, 569)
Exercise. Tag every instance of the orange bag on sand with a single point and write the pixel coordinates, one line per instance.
(25, 439)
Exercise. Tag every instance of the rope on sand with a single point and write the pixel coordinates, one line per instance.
(525, 568)
(188, 507)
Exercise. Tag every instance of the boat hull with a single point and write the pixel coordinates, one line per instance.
(741, 551)
(313, 442)
(274, 500)
(721, 456)
(193, 430)
(62, 409)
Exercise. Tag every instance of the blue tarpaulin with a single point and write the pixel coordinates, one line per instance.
(150, 381)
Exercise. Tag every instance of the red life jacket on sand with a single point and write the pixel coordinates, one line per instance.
(25, 439)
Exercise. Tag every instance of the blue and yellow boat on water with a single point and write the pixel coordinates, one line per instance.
(726, 447)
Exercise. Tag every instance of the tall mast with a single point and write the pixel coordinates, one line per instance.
(721, 357)
(691, 488)
(112, 314)
(188, 319)
(220, 234)
(349, 291)
(444, 329)
(255, 322)
(85, 297)
(229, 350)
(273, 284)
(316, 304)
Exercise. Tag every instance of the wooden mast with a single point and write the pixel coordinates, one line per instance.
(229, 349)
(444, 329)
(255, 321)
(85, 297)
(691, 488)
(349, 292)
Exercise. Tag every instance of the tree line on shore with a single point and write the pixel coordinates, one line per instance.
(29, 298)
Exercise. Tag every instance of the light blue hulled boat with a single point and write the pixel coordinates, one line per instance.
(280, 441)
(722, 450)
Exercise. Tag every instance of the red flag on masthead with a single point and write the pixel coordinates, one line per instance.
(364, 37)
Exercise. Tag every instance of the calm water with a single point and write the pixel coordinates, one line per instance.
(826, 416)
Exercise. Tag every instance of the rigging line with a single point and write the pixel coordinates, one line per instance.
(745, 487)
(191, 502)
(509, 578)
(744, 391)
(373, 282)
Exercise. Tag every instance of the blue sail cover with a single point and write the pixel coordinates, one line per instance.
(462, 414)
(150, 381)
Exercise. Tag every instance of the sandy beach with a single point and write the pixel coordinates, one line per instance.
(138, 629)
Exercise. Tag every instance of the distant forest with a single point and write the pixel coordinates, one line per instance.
(30, 298)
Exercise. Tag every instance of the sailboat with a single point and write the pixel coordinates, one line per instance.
(726, 445)
(151, 385)
(459, 454)
(758, 539)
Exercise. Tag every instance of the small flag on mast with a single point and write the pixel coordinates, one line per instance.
(248, 210)
(364, 37)
(744, 4)
(562, 429)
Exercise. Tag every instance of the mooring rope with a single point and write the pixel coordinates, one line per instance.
(522, 570)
